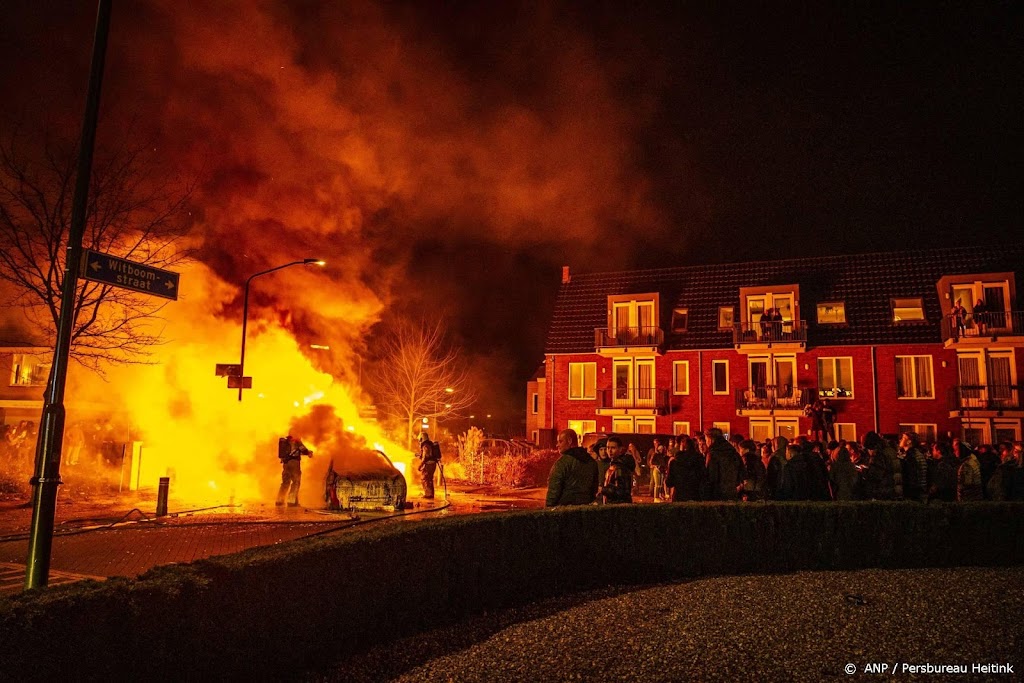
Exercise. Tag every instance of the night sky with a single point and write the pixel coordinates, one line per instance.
(475, 148)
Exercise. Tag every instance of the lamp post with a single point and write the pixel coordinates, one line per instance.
(245, 305)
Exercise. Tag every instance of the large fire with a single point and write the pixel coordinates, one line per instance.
(195, 430)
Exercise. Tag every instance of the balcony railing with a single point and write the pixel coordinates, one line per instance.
(634, 398)
(985, 397)
(997, 324)
(628, 336)
(784, 331)
(772, 397)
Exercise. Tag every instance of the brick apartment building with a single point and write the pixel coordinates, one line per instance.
(684, 349)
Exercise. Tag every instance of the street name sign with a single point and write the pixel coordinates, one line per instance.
(138, 277)
(228, 370)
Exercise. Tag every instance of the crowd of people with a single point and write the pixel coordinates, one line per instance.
(707, 466)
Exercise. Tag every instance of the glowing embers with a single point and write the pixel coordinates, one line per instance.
(375, 485)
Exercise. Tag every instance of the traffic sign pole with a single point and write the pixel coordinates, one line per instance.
(51, 434)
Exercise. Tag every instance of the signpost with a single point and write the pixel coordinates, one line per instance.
(138, 277)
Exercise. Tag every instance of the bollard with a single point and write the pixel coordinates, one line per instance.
(161, 497)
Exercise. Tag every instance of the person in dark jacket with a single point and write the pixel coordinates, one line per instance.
(1001, 483)
(796, 476)
(942, 473)
(988, 461)
(686, 472)
(753, 471)
(618, 483)
(818, 471)
(842, 475)
(725, 468)
(774, 470)
(573, 478)
(914, 468)
(883, 477)
(600, 453)
(429, 456)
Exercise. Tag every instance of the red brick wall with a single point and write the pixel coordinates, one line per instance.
(722, 408)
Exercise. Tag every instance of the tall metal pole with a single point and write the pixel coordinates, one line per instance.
(51, 434)
(245, 307)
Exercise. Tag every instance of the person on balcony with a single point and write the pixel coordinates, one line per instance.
(981, 317)
(776, 323)
(959, 317)
(766, 321)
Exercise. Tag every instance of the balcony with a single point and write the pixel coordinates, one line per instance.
(628, 339)
(645, 401)
(995, 398)
(982, 328)
(784, 334)
(772, 399)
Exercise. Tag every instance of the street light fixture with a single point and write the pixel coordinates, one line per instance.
(245, 306)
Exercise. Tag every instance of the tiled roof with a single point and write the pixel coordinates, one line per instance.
(865, 282)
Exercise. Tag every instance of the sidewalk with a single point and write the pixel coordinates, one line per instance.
(119, 535)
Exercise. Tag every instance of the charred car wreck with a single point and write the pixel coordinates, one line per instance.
(369, 482)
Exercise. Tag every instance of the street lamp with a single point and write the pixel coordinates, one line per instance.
(245, 307)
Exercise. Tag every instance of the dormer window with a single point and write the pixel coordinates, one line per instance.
(832, 313)
(908, 310)
(680, 319)
(726, 317)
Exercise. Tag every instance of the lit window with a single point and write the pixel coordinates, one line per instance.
(29, 371)
(681, 377)
(914, 377)
(846, 431)
(583, 380)
(582, 427)
(833, 313)
(835, 377)
(720, 376)
(908, 310)
(680, 319)
(726, 317)
(681, 428)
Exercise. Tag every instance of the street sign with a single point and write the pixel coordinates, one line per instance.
(138, 277)
(229, 370)
(239, 382)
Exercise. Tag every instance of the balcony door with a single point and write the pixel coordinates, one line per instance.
(757, 304)
(995, 296)
(988, 383)
(634, 322)
(634, 383)
(772, 377)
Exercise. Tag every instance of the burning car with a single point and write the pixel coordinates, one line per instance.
(368, 482)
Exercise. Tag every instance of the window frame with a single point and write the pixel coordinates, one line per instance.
(894, 305)
(582, 424)
(583, 380)
(722, 310)
(676, 425)
(678, 313)
(840, 304)
(535, 403)
(675, 376)
(18, 363)
(835, 359)
(714, 391)
(914, 427)
(931, 372)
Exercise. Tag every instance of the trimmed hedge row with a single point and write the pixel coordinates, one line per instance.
(268, 611)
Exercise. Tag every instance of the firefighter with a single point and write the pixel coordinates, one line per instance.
(290, 450)
(430, 456)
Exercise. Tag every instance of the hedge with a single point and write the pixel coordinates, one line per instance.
(271, 611)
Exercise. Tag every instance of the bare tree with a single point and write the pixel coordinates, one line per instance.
(419, 377)
(133, 212)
